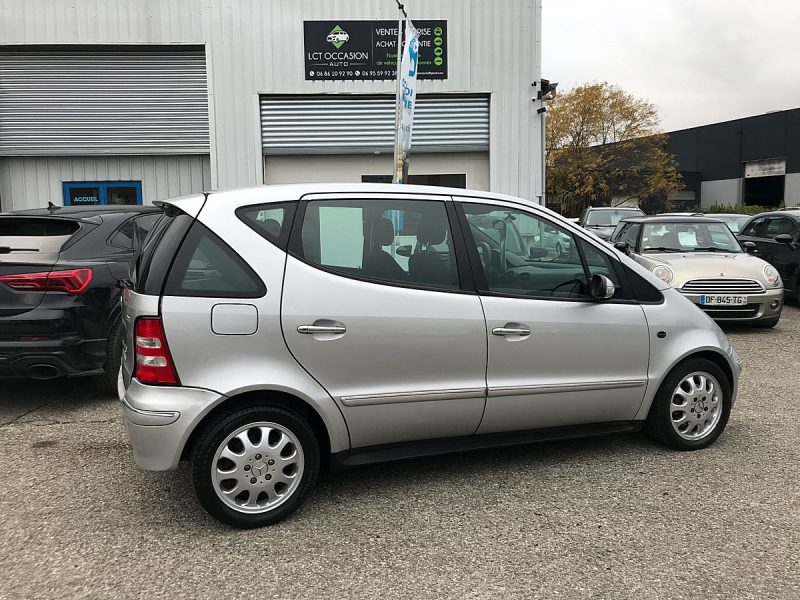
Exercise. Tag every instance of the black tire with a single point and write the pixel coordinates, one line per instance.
(767, 324)
(659, 421)
(214, 434)
(107, 381)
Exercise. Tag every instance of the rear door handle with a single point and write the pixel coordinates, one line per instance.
(511, 331)
(312, 329)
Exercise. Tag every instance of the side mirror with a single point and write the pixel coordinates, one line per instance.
(535, 252)
(750, 247)
(785, 238)
(623, 247)
(404, 250)
(601, 287)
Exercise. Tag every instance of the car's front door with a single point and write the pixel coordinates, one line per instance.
(556, 357)
(385, 327)
(783, 257)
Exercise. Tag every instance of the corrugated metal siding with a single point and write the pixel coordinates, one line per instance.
(255, 47)
(343, 124)
(68, 102)
(30, 182)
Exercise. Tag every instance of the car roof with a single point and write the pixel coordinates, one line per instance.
(669, 219)
(615, 208)
(794, 214)
(84, 212)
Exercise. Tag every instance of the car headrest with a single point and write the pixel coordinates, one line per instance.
(431, 231)
(272, 227)
(383, 232)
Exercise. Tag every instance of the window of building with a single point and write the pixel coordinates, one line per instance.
(102, 193)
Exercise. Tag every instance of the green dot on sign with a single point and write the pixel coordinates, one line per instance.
(438, 61)
(437, 41)
(437, 31)
(438, 51)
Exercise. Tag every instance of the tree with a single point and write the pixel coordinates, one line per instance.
(604, 145)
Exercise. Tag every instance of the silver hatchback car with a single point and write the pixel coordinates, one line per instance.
(275, 329)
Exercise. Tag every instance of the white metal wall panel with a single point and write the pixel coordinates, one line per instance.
(32, 181)
(81, 102)
(255, 47)
(345, 124)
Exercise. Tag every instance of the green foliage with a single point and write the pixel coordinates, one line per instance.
(604, 144)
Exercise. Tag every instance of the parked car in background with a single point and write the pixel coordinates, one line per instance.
(59, 299)
(271, 329)
(776, 237)
(701, 258)
(601, 220)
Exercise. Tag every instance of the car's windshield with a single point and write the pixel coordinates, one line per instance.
(688, 237)
(610, 218)
(734, 222)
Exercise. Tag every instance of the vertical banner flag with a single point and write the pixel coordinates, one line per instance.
(407, 99)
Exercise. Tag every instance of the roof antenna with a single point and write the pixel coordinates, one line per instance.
(51, 206)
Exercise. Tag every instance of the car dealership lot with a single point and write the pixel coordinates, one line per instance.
(606, 517)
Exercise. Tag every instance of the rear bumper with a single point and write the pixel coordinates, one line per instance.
(759, 307)
(159, 420)
(63, 356)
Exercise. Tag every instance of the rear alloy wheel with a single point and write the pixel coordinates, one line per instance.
(255, 466)
(691, 407)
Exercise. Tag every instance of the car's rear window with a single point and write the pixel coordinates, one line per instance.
(150, 265)
(28, 234)
(206, 266)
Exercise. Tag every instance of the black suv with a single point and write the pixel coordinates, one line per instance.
(59, 297)
(776, 236)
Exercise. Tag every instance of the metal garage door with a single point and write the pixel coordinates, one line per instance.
(87, 101)
(348, 124)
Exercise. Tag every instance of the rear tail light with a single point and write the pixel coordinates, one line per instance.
(73, 281)
(153, 361)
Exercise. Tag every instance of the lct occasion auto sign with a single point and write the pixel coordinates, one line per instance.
(365, 50)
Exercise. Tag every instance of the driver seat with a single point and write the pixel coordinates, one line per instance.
(378, 262)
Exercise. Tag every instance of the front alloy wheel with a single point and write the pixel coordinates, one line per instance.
(692, 406)
(255, 466)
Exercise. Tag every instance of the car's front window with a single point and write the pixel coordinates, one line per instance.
(610, 218)
(688, 237)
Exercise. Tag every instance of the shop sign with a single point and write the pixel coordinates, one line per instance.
(367, 50)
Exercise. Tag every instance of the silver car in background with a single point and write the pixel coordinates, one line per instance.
(700, 257)
(273, 330)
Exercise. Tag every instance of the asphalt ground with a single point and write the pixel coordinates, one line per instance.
(613, 517)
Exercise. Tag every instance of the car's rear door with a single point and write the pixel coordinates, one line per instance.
(394, 334)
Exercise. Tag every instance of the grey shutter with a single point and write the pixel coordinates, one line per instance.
(333, 124)
(82, 102)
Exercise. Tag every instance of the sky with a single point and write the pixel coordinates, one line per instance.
(698, 61)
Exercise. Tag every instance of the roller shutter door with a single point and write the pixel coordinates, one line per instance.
(347, 124)
(85, 101)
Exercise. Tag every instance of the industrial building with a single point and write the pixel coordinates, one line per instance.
(750, 161)
(139, 100)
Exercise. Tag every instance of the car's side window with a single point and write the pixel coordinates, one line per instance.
(142, 226)
(780, 226)
(629, 234)
(599, 263)
(387, 241)
(124, 235)
(757, 228)
(519, 253)
(271, 221)
(206, 266)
